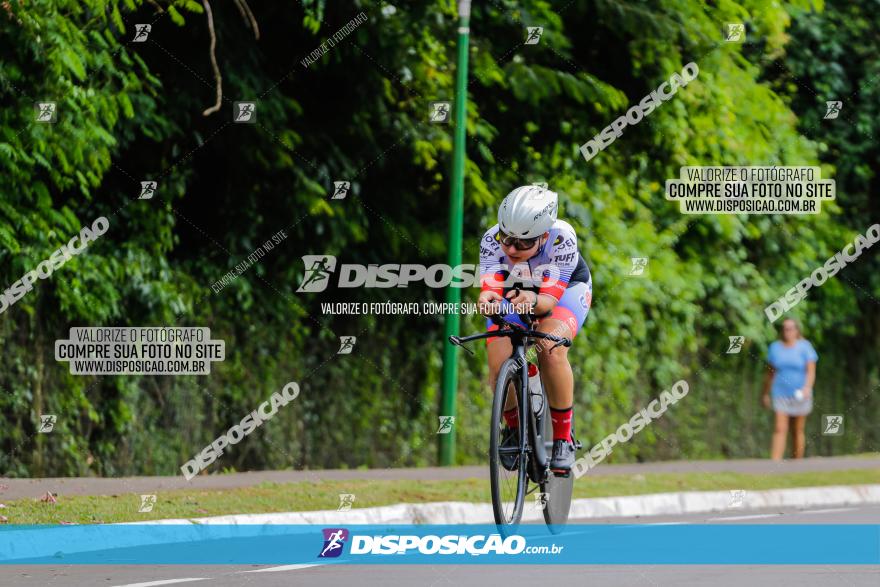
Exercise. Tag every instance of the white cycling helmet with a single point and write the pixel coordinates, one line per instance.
(528, 211)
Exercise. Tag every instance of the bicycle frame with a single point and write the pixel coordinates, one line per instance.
(530, 428)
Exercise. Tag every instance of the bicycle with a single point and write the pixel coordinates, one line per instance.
(534, 437)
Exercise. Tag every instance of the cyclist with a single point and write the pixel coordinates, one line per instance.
(531, 259)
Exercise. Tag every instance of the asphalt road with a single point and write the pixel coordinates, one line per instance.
(490, 575)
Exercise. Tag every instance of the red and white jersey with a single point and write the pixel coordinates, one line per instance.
(555, 265)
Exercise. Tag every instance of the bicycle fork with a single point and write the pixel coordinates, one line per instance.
(531, 422)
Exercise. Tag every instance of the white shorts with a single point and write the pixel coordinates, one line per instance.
(792, 406)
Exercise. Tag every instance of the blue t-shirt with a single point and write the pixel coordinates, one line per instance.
(791, 366)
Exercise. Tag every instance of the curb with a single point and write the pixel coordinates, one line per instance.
(654, 504)
(30, 542)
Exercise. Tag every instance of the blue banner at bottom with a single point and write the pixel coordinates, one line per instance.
(631, 544)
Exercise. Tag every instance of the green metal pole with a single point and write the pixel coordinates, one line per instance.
(456, 213)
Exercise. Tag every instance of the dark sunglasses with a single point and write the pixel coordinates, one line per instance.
(520, 244)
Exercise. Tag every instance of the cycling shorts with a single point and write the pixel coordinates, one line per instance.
(572, 309)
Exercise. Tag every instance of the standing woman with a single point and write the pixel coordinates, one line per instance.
(791, 373)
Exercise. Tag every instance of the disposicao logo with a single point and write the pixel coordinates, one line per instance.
(334, 541)
(320, 268)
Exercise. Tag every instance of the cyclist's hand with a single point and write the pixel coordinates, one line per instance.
(523, 299)
(489, 303)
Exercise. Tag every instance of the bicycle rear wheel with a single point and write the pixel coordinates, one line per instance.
(508, 483)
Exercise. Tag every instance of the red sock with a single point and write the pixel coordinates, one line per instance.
(561, 423)
(511, 416)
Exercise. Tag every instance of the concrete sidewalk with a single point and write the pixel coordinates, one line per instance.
(24, 488)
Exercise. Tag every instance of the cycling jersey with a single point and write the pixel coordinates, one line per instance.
(555, 266)
(557, 269)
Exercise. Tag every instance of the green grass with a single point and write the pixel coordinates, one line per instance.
(324, 495)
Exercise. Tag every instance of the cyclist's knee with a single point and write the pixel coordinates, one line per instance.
(557, 358)
(559, 355)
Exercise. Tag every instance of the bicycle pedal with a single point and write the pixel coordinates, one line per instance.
(561, 473)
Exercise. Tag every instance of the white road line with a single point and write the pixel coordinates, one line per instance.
(829, 511)
(164, 582)
(752, 517)
(284, 568)
(666, 524)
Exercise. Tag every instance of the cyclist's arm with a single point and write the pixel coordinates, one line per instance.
(564, 258)
(544, 303)
(491, 274)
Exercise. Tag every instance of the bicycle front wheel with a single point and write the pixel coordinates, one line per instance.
(507, 466)
(558, 490)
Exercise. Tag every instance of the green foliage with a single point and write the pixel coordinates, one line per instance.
(128, 112)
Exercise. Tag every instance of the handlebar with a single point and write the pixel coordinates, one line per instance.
(510, 330)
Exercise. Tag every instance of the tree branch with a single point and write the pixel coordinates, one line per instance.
(217, 78)
(248, 17)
